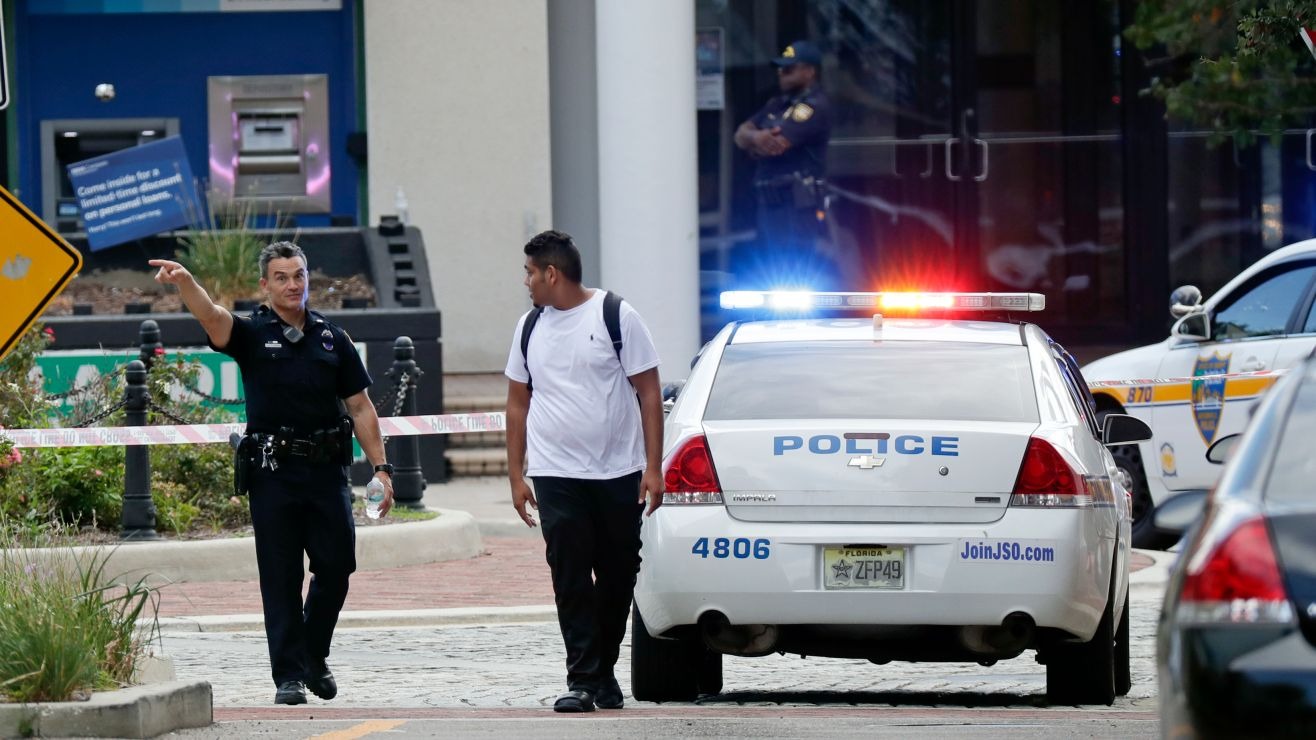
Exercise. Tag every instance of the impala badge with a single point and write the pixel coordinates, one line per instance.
(866, 462)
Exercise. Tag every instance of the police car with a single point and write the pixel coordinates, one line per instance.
(1200, 383)
(926, 488)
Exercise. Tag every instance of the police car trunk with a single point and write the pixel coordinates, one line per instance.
(858, 425)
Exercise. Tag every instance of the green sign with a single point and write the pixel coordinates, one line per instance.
(65, 370)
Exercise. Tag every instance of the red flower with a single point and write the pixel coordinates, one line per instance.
(50, 334)
(159, 351)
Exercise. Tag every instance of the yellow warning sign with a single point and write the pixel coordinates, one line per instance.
(35, 265)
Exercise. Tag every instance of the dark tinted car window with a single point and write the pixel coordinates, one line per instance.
(1294, 468)
(1264, 309)
(865, 380)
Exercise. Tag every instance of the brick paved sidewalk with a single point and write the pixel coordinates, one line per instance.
(511, 572)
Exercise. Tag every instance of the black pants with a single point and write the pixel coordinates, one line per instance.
(592, 530)
(301, 508)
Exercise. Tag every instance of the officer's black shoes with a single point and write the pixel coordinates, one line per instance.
(290, 692)
(320, 681)
(609, 696)
(574, 701)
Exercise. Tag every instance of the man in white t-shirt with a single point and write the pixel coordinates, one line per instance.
(574, 427)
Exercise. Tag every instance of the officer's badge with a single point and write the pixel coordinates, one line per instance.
(1169, 466)
(801, 112)
(1209, 395)
(789, 53)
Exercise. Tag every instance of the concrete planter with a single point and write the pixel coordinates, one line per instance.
(134, 712)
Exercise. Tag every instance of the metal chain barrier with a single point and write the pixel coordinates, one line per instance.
(402, 385)
(98, 417)
(166, 413)
(213, 399)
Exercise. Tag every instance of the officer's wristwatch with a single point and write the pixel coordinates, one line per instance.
(384, 468)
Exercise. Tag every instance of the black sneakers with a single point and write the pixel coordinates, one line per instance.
(321, 681)
(290, 692)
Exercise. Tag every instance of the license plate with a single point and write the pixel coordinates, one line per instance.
(864, 567)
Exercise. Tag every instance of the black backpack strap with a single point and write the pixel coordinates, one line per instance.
(531, 318)
(612, 319)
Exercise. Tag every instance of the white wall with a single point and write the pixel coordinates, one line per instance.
(458, 115)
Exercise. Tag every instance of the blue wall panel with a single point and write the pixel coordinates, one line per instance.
(159, 62)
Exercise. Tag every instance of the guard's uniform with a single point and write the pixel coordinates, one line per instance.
(299, 495)
(790, 189)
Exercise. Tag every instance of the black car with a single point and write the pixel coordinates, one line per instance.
(1236, 642)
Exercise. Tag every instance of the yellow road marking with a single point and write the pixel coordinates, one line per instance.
(361, 730)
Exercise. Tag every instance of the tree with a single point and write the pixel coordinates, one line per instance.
(1238, 68)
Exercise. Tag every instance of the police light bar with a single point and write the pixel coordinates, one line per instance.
(803, 300)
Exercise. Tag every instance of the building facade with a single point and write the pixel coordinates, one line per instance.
(989, 145)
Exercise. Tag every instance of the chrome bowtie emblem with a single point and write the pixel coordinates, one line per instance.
(866, 462)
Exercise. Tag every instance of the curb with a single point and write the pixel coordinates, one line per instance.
(135, 712)
(1157, 574)
(453, 535)
(381, 618)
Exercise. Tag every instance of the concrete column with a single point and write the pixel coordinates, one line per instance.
(648, 207)
(574, 114)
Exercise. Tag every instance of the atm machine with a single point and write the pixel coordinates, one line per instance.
(269, 141)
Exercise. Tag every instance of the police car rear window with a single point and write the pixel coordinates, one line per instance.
(864, 380)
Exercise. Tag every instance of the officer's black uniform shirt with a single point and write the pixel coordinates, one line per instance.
(293, 385)
(805, 121)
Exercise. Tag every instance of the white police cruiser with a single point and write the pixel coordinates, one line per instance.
(889, 489)
(1199, 384)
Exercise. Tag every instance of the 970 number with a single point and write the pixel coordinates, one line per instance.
(740, 548)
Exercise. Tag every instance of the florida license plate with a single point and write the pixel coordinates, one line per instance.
(864, 567)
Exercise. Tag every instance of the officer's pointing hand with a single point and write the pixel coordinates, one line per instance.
(170, 272)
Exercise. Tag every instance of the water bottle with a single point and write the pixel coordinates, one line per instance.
(374, 498)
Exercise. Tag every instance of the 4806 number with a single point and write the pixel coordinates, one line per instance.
(740, 548)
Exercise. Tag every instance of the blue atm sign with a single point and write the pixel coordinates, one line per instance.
(134, 193)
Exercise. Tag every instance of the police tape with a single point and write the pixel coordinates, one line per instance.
(391, 426)
(1188, 379)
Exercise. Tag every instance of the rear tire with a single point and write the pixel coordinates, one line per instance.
(1084, 673)
(671, 670)
(1129, 459)
(1123, 672)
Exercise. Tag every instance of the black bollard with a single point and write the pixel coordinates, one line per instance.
(138, 508)
(148, 335)
(408, 481)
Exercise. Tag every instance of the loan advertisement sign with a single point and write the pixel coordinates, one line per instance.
(134, 193)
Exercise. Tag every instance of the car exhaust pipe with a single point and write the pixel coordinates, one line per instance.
(1008, 640)
(748, 640)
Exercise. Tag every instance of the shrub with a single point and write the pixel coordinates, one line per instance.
(222, 252)
(64, 629)
(71, 485)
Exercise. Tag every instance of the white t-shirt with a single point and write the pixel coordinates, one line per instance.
(584, 419)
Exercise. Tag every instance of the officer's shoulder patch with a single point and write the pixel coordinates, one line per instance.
(801, 112)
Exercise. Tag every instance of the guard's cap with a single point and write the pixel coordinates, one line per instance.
(800, 52)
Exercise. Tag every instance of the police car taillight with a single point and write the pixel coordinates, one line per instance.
(1047, 481)
(916, 302)
(689, 476)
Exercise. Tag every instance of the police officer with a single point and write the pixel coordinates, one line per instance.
(788, 137)
(296, 366)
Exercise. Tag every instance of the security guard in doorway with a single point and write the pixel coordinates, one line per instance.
(788, 137)
(296, 368)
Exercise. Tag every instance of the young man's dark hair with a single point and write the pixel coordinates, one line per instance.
(556, 249)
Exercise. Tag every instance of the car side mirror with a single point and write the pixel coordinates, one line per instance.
(1222, 449)
(670, 392)
(1122, 429)
(1177, 514)
(1184, 300)
(1195, 327)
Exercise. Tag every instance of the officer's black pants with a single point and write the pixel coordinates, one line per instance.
(301, 507)
(592, 530)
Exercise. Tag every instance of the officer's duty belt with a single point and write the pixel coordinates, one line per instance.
(321, 448)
